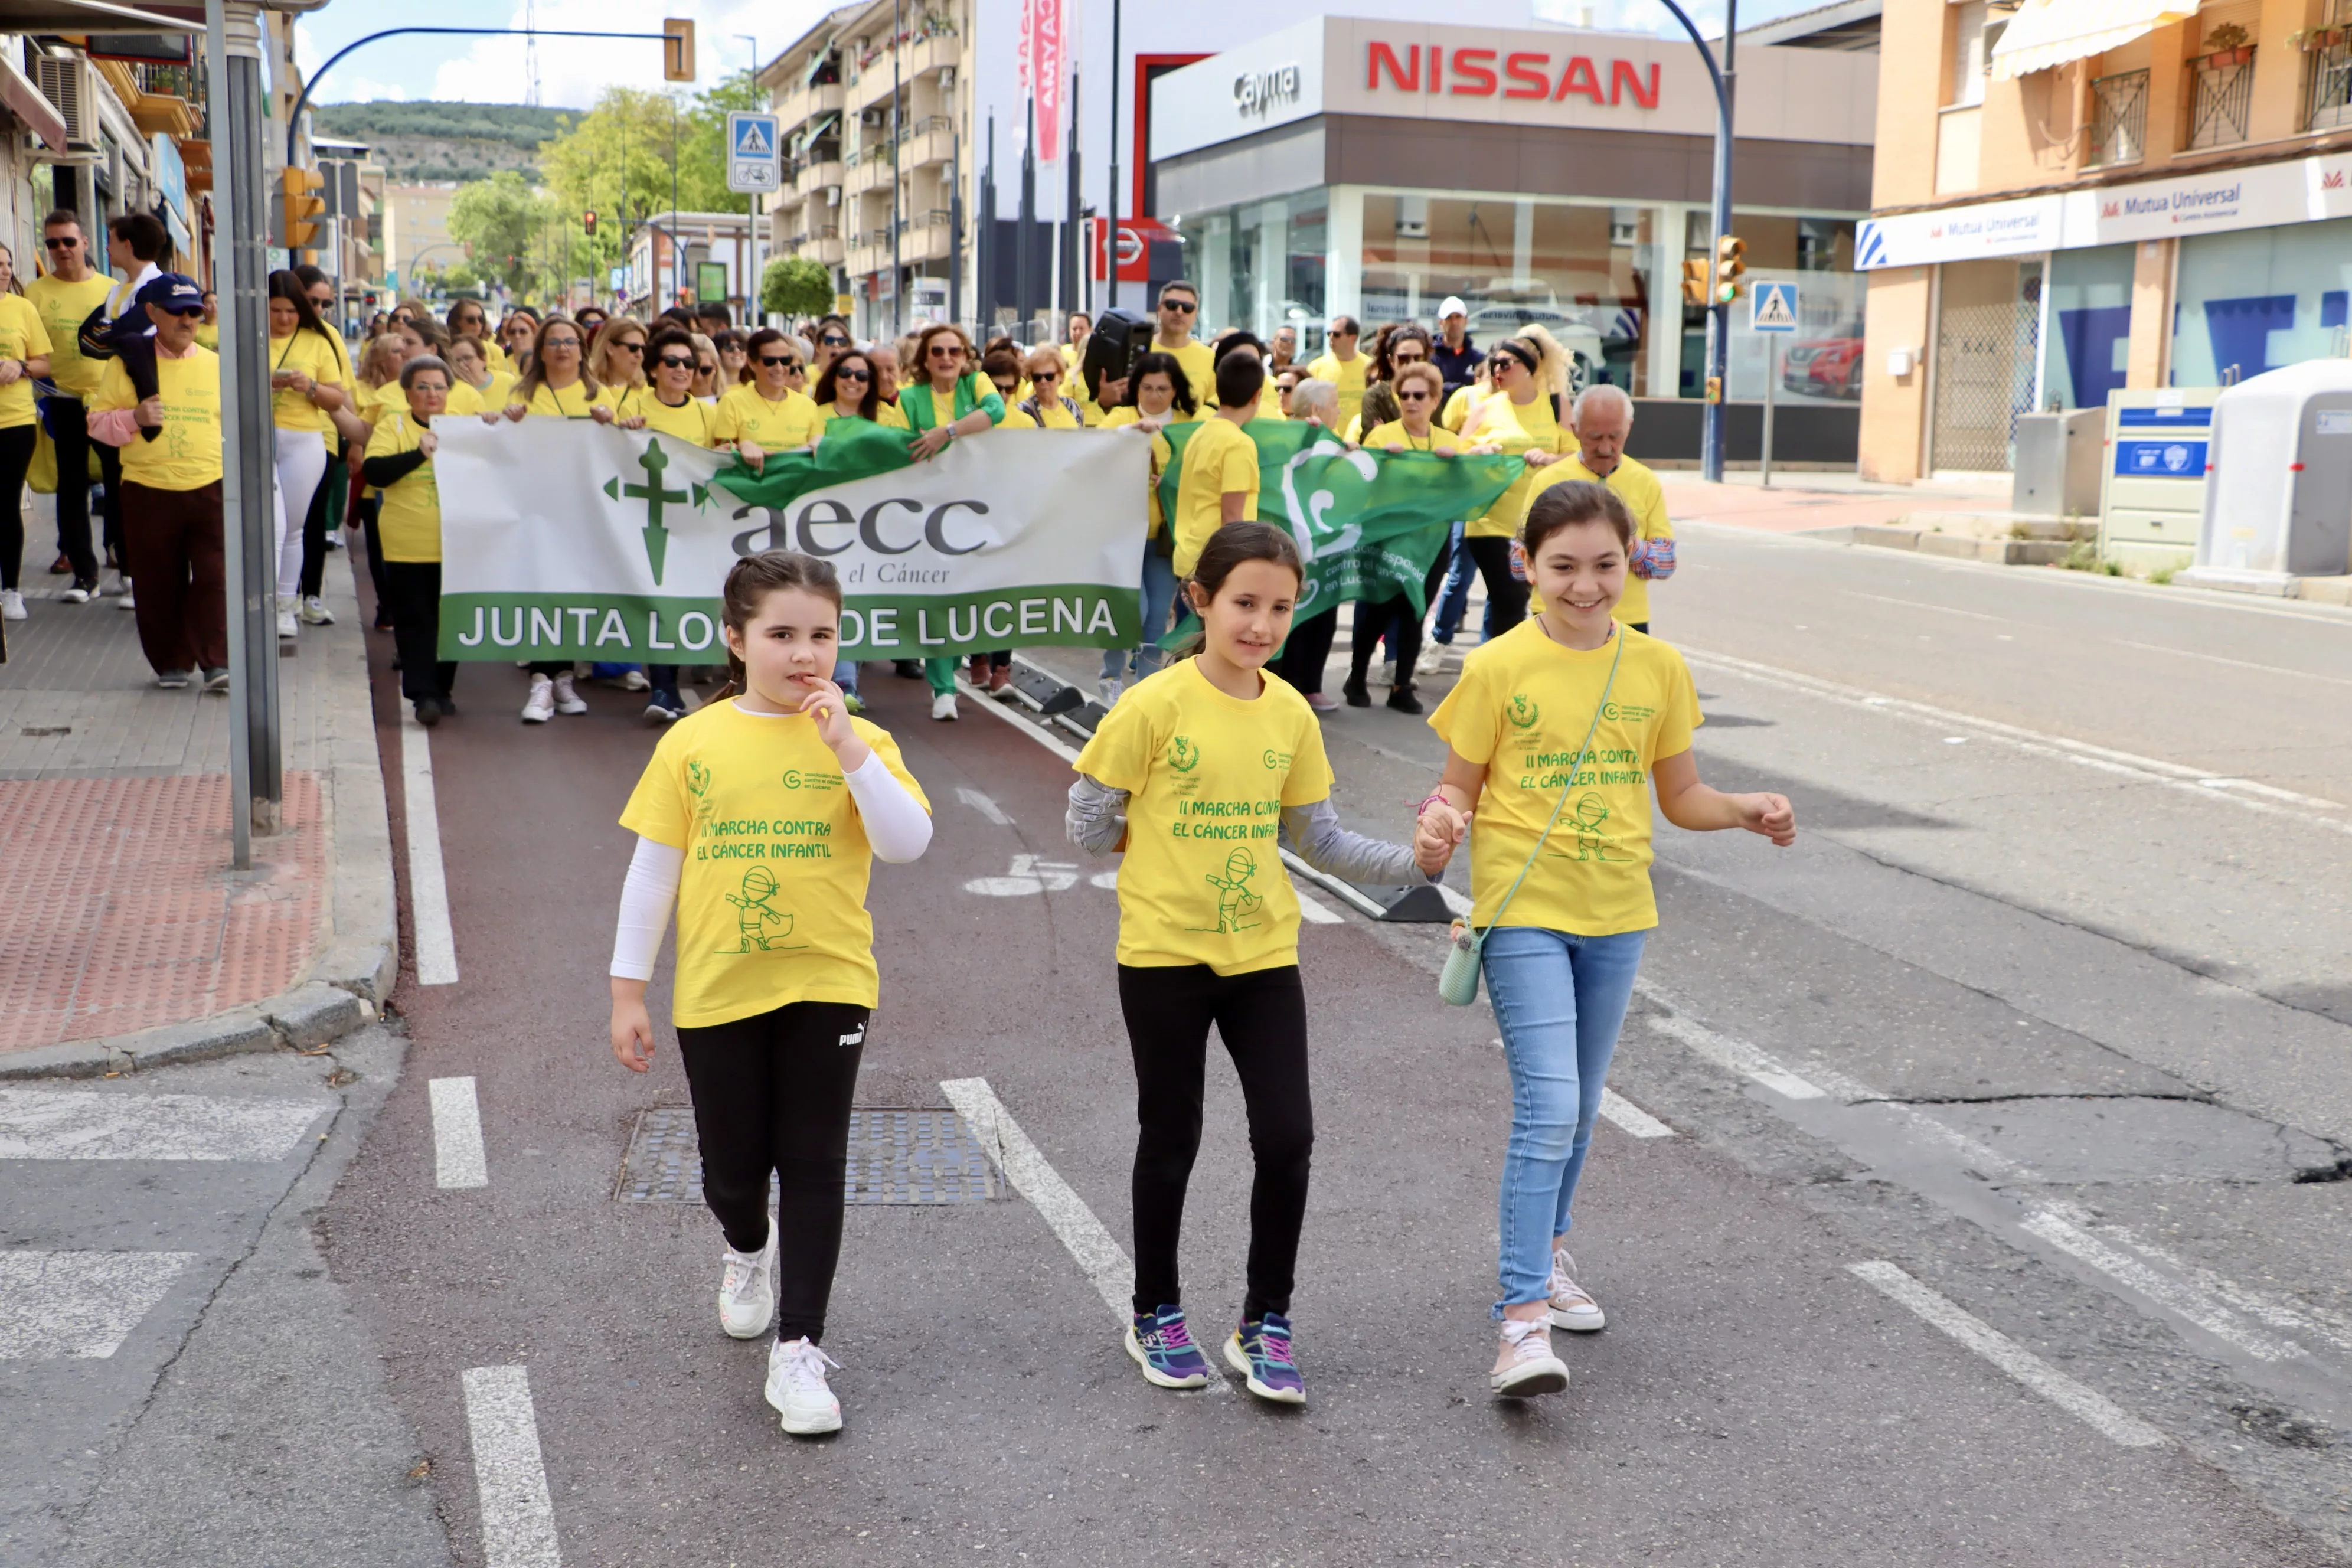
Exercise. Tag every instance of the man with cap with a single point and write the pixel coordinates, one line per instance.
(1455, 358)
(170, 442)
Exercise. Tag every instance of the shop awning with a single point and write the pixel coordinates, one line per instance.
(31, 106)
(2048, 33)
(79, 16)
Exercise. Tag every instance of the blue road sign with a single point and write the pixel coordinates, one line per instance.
(751, 162)
(1773, 308)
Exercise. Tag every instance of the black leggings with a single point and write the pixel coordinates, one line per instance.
(412, 593)
(1262, 1018)
(772, 1092)
(1305, 651)
(1506, 596)
(16, 458)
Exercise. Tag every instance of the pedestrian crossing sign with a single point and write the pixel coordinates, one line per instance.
(751, 152)
(1773, 308)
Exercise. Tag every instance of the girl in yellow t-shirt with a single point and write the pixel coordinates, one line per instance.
(850, 388)
(1200, 774)
(1522, 417)
(306, 376)
(1158, 392)
(1552, 734)
(759, 820)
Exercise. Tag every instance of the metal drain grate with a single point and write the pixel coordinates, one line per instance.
(897, 1154)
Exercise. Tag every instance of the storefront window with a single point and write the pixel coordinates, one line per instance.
(2083, 354)
(2260, 299)
(1820, 362)
(1261, 265)
(1585, 273)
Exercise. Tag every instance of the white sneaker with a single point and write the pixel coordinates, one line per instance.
(566, 700)
(797, 1389)
(1533, 1369)
(1388, 672)
(1432, 659)
(747, 1290)
(286, 626)
(635, 680)
(77, 594)
(12, 604)
(125, 601)
(1572, 1305)
(540, 706)
(1107, 692)
(314, 612)
(943, 706)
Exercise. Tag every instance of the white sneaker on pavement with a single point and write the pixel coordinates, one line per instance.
(286, 626)
(12, 604)
(1533, 1369)
(943, 706)
(566, 700)
(1107, 692)
(314, 612)
(797, 1389)
(635, 680)
(540, 706)
(1572, 1305)
(1432, 659)
(747, 1290)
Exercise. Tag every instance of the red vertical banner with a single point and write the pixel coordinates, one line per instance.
(1041, 68)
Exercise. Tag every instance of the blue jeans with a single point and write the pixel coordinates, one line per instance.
(1159, 593)
(1560, 1000)
(1454, 600)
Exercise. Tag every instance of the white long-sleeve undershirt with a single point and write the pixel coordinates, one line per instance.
(897, 826)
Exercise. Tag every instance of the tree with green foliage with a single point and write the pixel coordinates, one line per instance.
(796, 286)
(497, 219)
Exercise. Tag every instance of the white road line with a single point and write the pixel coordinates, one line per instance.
(2178, 1296)
(89, 1124)
(1737, 1056)
(2296, 1319)
(1315, 913)
(983, 805)
(2149, 770)
(518, 1518)
(1021, 722)
(1459, 903)
(1922, 605)
(2234, 663)
(1631, 1118)
(1102, 1260)
(458, 1157)
(2086, 1404)
(79, 1304)
(428, 889)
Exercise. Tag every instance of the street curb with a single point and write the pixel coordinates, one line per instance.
(358, 955)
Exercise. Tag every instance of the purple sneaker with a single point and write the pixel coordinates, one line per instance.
(1260, 1351)
(1163, 1347)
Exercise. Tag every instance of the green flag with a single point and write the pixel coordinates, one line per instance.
(852, 449)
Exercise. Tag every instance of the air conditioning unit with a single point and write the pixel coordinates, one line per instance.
(872, 117)
(832, 196)
(946, 79)
(71, 87)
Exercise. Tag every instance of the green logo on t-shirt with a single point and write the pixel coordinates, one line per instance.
(1524, 712)
(1183, 755)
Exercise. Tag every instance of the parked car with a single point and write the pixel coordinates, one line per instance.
(1824, 367)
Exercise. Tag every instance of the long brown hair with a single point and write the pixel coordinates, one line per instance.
(750, 582)
(1227, 548)
(534, 376)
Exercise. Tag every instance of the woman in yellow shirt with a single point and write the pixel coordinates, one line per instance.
(668, 408)
(616, 356)
(558, 384)
(764, 414)
(399, 464)
(1158, 393)
(24, 359)
(1045, 404)
(1559, 877)
(306, 372)
(475, 387)
(1003, 368)
(850, 388)
(1523, 418)
(468, 319)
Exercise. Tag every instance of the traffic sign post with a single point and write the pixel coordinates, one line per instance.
(1772, 309)
(751, 162)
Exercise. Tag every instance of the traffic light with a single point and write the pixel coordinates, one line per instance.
(1715, 389)
(588, 221)
(303, 204)
(1729, 267)
(1694, 283)
(677, 49)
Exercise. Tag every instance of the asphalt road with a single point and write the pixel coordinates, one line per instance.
(1988, 1223)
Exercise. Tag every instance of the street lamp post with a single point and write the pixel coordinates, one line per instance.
(755, 309)
(1718, 317)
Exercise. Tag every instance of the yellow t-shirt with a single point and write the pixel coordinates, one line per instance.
(208, 334)
(1162, 455)
(772, 904)
(1521, 708)
(464, 399)
(572, 403)
(884, 414)
(1639, 489)
(1347, 377)
(693, 420)
(315, 357)
(1219, 458)
(23, 335)
(1200, 363)
(1440, 439)
(1516, 428)
(1014, 419)
(791, 421)
(492, 395)
(1458, 408)
(409, 519)
(63, 306)
(1052, 414)
(1207, 776)
(495, 355)
(187, 455)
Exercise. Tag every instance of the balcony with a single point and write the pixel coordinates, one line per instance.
(932, 141)
(2221, 89)
(821, 245)
(871, 172)
(2329, 97)
(797, 106)
(814, 177)
(2118, 120)
(937, 52)
(929, 237)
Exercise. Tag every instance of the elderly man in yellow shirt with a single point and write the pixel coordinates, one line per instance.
(1602, 417)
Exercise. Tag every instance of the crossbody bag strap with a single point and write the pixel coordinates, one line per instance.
(1574, 767)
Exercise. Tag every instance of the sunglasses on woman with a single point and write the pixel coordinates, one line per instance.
(675, 362)
(1413, 394)
(785, 360)
(841, 375)
(630, 348)
(834, 341)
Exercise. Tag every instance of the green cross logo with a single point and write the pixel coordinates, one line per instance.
(654, 495)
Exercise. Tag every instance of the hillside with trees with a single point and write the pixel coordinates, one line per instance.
(458, 141)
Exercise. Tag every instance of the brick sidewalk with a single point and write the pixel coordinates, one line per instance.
(119, 910)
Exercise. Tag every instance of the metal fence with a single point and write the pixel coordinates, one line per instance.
(1988, 356)
(2119, 118)
(2218, 110)
(2331, 80)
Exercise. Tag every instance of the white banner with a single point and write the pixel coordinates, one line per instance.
(571, 539)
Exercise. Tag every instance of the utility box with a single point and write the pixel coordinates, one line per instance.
(2057, 472)
(2153, 482)
(2278, 499)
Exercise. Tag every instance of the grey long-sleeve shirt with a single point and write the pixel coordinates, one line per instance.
(1097, 817)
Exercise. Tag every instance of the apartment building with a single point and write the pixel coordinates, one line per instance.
(2073, 197)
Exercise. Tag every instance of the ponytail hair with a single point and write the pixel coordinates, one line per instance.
(750, 582)
(1227, 548)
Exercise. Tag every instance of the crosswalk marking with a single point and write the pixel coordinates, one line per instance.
(458, 1157)
(96, 1124)
(511, 1477)
(79, 1304)
(428, 887)
(1631, 1118)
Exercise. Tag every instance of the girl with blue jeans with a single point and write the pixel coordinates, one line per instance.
(1155, 393)
(1556, 734)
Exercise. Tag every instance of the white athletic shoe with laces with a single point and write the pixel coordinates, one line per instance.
(1533, 1369)
(1107, 692)
(567, 700)
(1433, 658)
(1572, 1305)
(797, 1389)
(12, 604)
(286, 625)
(943, 706)
(747, 1290)
(540, 706)
(314, 612)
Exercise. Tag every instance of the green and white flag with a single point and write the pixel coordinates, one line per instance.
(573, 539)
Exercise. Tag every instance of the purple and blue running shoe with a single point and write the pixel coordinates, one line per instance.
(1260, 1351)
(1163, 1347)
